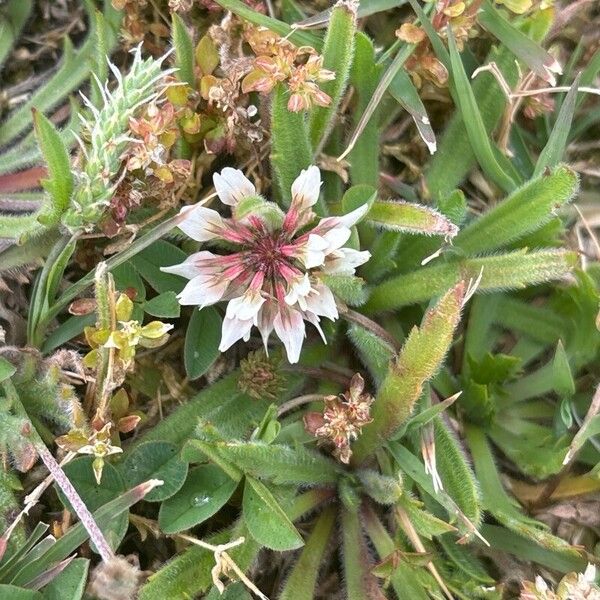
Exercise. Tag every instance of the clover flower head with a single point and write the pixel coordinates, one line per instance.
(273, 277)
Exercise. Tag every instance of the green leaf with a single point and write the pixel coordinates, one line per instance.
(300, 584)
(81, 475)
(7, 369)
(266, 520)
(478, 136)
(338, 53)
(404, 92)
(126, 276)
(349, 288)
(527, 550)
(454, 157)
(382, 488)
(184, 51)
(155, 460)
(290, 146)
(563, 381)
(70, 583)
(164, 305)
(554, 149)
(358, 195)
(16, 593)
(60, 181)
(149, 261)
(456, 474)
(206, 490)
(410, 218)
(202, 340)
(541, 62)
(278, 463)
(360, 582)
(365, 73)
(418, 361)
(423, 521)
(526, 210)
(513, 270)
(373, 351)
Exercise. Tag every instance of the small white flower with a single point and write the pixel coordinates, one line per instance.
(272, 279)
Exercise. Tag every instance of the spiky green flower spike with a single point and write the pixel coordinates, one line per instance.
(106, 137)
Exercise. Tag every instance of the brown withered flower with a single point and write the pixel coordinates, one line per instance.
(278, 60)
(423, 65)
(343, 418)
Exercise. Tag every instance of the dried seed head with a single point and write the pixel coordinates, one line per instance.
(117, 579)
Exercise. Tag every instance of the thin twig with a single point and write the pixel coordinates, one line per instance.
(298, 401)
(223, 561)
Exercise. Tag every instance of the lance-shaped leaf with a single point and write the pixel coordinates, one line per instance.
(275, 462)
(456, 474)
(374, 352)
(478, 136)
(361, 584)
(267, 522)
(290, 148)
(541, 62)
(338, 53)
(404, 92)
(554, 149)
(526, 210)
(59, 183)
(410, 218)
(302, 580)
(454, 157)
(184, 51)
(364, 75)
(500, 504)
(514, 270)
(418, 361)
(68, 543)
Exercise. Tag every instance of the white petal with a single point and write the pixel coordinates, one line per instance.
(246, 306)
(345, 261)
(232, 186)
(312, 318)
(336, 238)
(322, 302)
(354, 217)
(314, 254)
(201, 223)
(306, 187)
(232, 331)
(192, 266)
(202, 291)
(289, 327)
(264, 322)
